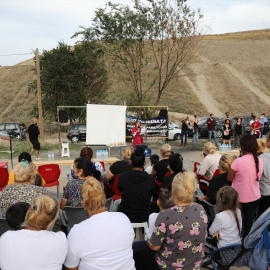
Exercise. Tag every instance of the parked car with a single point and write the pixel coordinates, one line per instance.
(174, 133)
(172, 125)
(77, 132)
(11, 128)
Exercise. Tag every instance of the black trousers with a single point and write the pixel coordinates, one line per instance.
(264, 204)
(145, 260)
(249, 211)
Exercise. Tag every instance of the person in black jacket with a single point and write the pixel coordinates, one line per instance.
(136, 186)
(33, 132)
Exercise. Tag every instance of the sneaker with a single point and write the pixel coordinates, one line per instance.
(38, 158)
(181, 145)
(185, 145)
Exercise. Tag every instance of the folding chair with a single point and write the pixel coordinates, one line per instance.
(50, 173)
(3, 226)
(210, 209)
(72, 215)
(3, 178)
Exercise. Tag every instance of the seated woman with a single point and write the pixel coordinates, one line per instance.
(219, 180)
(98, 171)
(117, 168)
(161, 168)
(25, 157)
(227, 226)
(23, 188)
(210, 163)
(136, 187)
(104, 241)
(175, 166)
(179, 234)
(82, 170)
(35, 246)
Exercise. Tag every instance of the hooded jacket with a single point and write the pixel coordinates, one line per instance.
(136, 187)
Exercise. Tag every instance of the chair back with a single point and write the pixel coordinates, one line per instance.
(50, 173)
(103, 165)
(108, 204)
(3, 226)
(3, 178)
(167, 174)
(75, 215)
(114, 186)
(210, 209)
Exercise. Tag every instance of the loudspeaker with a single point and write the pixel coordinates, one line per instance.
(163, 113)
(63, 116)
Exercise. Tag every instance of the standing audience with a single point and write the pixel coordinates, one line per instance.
(265, 179)
(226, 131)
(35, 246)
(211, 122)
(104, 241)
(195, 130)
(184, 133)
(239, 131)
(245, 174)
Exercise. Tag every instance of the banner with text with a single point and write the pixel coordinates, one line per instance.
(157, 128)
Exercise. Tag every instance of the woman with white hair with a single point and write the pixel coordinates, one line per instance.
(35, 246)
(210, 162)
(23, 188)
(180, 232)
(104, 241)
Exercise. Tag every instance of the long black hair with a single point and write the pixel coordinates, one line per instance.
(249, 145)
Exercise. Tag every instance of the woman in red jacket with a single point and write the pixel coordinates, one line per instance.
(136, 134)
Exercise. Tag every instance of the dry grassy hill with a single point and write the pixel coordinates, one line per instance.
(232, 74)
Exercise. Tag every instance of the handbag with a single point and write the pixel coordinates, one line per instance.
(260, 260)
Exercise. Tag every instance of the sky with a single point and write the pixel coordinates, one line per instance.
(29, 24)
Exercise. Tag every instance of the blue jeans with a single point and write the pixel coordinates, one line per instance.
(210, 132)
(184, 133)
(195, 136)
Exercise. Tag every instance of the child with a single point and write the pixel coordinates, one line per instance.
(153, 160)
(15, 215)
(38, 180)
(165, 201)
(227, 226)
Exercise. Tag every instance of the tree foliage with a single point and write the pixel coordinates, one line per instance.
(149, 44)
(71, 77)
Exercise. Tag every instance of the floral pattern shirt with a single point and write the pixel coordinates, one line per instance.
(72, 192)
(19, 193)
(182, 231)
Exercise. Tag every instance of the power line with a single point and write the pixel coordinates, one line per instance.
(14, 54)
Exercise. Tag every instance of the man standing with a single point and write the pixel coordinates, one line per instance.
(227, 117)
(33, 132)
(211, 122)
(184, 133)
(263, 120)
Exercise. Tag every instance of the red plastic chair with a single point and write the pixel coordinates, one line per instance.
(114, 186)
(202, 180)
(3, 178)
(103, 165)
(50, 173)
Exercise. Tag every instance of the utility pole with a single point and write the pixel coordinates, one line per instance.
(39, 99)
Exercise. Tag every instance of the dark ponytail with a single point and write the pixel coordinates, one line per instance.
(249, 145)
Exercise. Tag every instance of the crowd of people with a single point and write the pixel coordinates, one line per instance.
(164, 194)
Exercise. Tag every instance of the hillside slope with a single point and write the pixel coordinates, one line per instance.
(232, 74)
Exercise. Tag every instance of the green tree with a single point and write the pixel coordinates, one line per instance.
(149, 44)
(71, 77)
